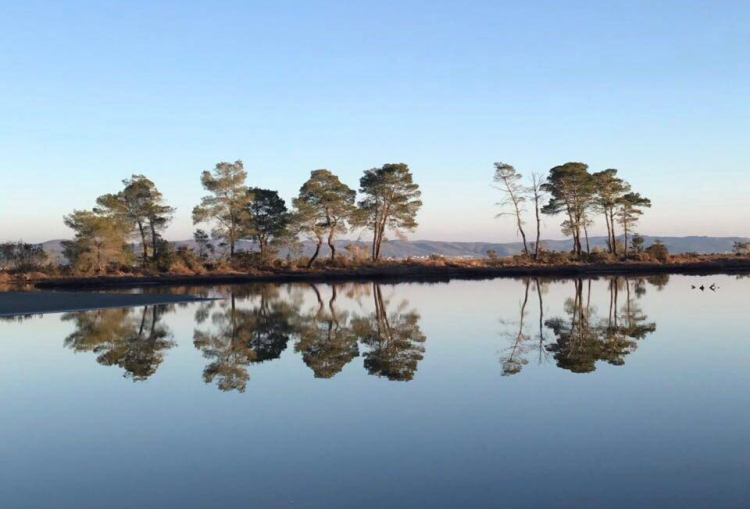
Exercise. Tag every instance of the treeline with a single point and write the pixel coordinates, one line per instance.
(232, 211)
(124, 231)
(571, 191)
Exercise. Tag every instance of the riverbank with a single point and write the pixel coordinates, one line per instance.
(410, 272)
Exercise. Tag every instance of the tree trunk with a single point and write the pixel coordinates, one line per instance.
(315, 254)
(609, 232)
(332, 246)
(153, 241)
(538, 231)
(586, 233)
(144, 246)
(614, 234)
(520, 229)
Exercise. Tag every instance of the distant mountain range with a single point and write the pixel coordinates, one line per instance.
(425, 248)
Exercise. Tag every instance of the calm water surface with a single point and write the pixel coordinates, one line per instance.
(608, 393)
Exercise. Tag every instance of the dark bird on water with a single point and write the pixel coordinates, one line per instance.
(702, 288)
(712, 287)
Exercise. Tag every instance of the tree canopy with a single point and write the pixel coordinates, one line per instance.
(391, 202)
(325, 206)
(226, 205)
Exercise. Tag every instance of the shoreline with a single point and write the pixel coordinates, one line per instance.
(405, 273)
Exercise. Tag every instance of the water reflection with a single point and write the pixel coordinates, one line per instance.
(394, 339)
(327, 340)
(134, 340)
(582, 337)
(241, 336)
(329, 326)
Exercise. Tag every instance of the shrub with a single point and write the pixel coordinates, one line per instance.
(22, 257)
(600, 256)
(554, 257)
(658, 252)
(741, 248)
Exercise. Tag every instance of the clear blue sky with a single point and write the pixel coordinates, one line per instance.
(91, 92)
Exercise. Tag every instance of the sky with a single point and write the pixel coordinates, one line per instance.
(93, 92)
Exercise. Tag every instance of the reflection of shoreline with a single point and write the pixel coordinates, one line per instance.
(419, 272)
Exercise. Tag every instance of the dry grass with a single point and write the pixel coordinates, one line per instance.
(345, 267)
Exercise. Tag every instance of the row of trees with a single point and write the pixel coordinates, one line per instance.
(572, 191)
(324, 209)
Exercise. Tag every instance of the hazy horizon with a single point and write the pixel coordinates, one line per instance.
(95, 93)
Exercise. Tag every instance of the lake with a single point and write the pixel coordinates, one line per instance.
(521, 393)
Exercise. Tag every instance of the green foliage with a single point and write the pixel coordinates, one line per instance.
(22, 257)
(100, 241)
(629, 211)
(267, 219)
(165, 256)
(206, 249)
(391, 202)
(572, 190)
(637, 243)
(226, 205)
(741, 248)
(140, 206)
(609, 190)
(324, 209)
(658, 251)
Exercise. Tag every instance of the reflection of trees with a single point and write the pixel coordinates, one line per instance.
(394, 340)
(135, 341)
(241, 336)
(515, 357)
(326, 341)
(581, 340)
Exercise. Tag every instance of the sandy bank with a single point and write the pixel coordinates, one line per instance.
(33, 303)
